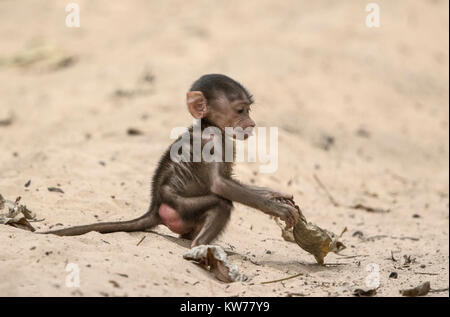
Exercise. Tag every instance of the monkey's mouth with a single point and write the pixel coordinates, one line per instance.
(241, 134)
(244, 135)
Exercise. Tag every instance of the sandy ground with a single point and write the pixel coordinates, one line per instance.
(364, 109)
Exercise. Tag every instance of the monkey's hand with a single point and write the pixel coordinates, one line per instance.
(279, 205)
(284, 211)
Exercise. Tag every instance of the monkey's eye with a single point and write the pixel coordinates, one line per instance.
(240, 111)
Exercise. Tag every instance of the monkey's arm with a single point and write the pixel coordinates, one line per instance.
(235, 191)
(270, 193)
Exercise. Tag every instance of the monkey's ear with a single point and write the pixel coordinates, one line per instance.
(197, 104)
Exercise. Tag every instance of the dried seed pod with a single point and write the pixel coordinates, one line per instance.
(214, 258)
(315, 240)
(421, 290)
(286, 234)
(311, 238)
(17, 214)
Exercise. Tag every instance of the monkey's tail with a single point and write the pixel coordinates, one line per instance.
(147, 221)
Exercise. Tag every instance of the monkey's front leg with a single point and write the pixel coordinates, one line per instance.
(269, 193)
(234, 191)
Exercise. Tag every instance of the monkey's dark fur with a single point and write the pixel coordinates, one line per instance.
(194, 199)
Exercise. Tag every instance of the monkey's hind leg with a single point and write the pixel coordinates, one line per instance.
(188, 207)
(215, 221)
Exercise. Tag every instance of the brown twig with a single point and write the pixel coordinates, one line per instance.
(335, 203)
(406, 238)
(401, 179)
(282, 279)
(330, 197)
(426, 273)
(380, 236)
(392, 257)
(36, 220)
(140, 241)
(295, 294)
(369, 208)
(335, 264)
(252, 261)
(439, 290)
(343, 256)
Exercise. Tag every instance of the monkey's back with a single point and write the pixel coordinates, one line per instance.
(186, 178)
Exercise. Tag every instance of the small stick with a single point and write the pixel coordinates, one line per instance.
(295, 294)
(335, 264)
(335, 203)
(426, 273)
(330, 197)
(343, 256)
(282, 279)
(380, 236)
(36, 220)
(368, 208)
(252, 261)
(406, 238)
(438, 290)
(392, 256)
(140, 241)
(401, 179)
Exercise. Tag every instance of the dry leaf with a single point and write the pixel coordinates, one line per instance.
(420, 290)
(311, 238)
(17, 214)
(286, 234)
(214, 259)
(21, 223)
(364, 293)
(317, 241)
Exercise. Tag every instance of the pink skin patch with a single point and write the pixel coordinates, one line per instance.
(171, 219)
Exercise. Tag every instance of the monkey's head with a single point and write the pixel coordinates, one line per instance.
(222, 102)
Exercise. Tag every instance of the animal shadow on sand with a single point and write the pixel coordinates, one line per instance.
(283, 266)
